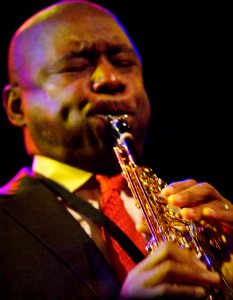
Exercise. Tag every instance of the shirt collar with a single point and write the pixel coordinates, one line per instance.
(70, 177)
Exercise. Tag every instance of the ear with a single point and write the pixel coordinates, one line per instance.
(13, 105)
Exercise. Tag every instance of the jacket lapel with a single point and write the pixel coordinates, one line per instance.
(40, 212)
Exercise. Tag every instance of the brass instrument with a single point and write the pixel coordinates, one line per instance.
(208, 241)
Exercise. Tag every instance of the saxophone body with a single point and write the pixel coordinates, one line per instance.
(208, 241)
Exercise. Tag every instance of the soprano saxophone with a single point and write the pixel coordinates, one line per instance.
(208, 241)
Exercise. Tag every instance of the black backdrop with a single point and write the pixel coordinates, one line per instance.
(187, 53)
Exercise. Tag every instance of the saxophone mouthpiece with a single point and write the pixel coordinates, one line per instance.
(121, 131)
(119, 125)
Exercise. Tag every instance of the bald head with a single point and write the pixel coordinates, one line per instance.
(31, 35)
(60, 7)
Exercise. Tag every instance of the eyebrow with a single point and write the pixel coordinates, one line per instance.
(73, 54)
(114, 49)
(86, 51)
(95, 49)
(124, 48)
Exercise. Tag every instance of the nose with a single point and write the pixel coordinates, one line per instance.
(105, 79)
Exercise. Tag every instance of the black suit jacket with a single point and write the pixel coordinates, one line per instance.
(44, 252)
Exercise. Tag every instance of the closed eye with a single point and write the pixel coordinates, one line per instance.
(124, 63)
(76, 66)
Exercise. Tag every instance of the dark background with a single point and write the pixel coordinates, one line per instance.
(187, 54)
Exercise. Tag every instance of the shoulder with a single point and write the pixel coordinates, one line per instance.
(11, 187)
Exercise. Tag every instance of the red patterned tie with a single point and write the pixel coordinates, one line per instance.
(112, 206)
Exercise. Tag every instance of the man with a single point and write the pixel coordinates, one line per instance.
(70, 66)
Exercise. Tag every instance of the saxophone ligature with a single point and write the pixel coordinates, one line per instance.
(208, 241)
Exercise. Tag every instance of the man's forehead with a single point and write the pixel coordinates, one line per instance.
(81, 31)
(78, 22)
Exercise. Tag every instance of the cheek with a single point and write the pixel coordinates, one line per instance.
(47, 105)
(67, 97)
(142, 100)
(42, 115)
(41, 102)
(42, 124)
